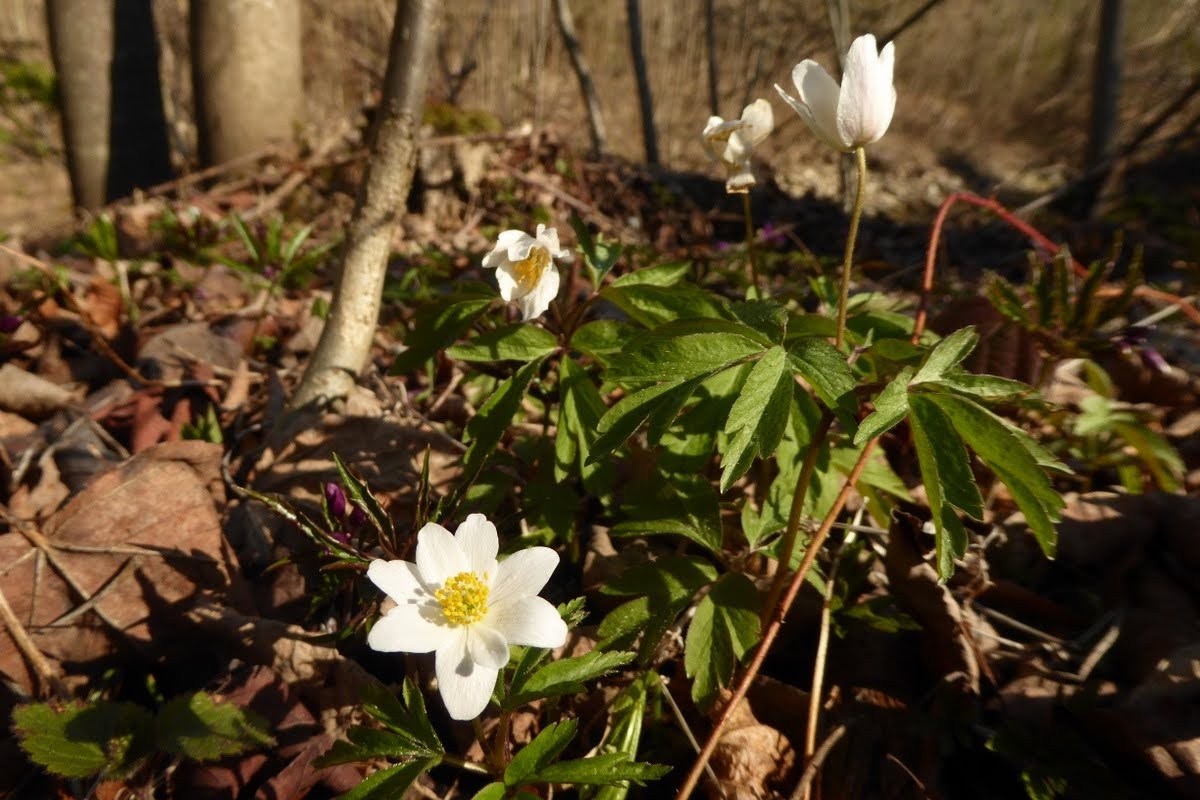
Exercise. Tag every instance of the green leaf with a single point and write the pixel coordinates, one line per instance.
(758, 416)
(361, 496)
(487, 427)
(599, 255)
(79, 740)
(725, 627)
(436, 327)
(691, 509)
(493, 791)
(195, 727)
(945, 469)
(541, 752)
(389, 783)
(680, 357)
(565, 676)
(891, 406)
(601, 338)
(519, 342)
(667, 274)
(651, 305)
(602, 770)
(765, 316)
(825, 369)
(578, 419)
(404, 715)
(623, 419)
(946, 354)
(625, 731)
(366, 744)
(983, 387)
(1006, 455)
(668, 585)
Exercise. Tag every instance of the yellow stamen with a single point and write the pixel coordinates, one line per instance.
(528, 271)
(463, 598)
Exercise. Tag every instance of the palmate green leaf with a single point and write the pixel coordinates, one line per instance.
(78, 740)
(195, 727)
(682, 357)
(983, 387)
(759, 415)
(404, 715)
(1156, 453)
(578, 418)
(601, 338)
(650, 305)
(540, 752)
(765, 316)
(599, 255)
(437, 326)
(667, 274)
(623, 419)
(487, 427)
(366, 744)
(725, 627)
(891, 406)
(668, 586)
(945, 469)
(826, 371)
(689, 507)
(602, 770)
(389, 783)
(1007, 456)
(565, 676)
(518, 342)
(947, 354)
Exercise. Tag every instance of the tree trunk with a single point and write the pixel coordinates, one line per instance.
(649, 135)
(710, 47)
(345, 342)
(566, 26)
(246, 69)
(1106, 95)
(114, 128)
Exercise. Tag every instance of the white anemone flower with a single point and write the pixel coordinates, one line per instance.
(859, 111)
(525, 268)
(733, 141)
(460, 603)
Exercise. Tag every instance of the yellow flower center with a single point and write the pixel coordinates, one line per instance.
(463, 598)
(528, 271)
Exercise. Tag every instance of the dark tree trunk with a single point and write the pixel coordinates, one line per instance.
(649, 134)
(114, 129)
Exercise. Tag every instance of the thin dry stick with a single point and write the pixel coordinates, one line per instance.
(46, 673)
(772, 631)
(813, 766)
(687, 731)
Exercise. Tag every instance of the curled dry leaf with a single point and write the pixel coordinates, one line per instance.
(751, 758)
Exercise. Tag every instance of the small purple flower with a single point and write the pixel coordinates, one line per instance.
(335, 499)
(723, 247)
(269, 273)
(772, 236)
(10, 322)
(358, 517)
(1154, 360)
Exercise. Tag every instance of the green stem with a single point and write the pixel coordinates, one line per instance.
(750, 252)
(860, 194)
(500, 745)
(793, 527)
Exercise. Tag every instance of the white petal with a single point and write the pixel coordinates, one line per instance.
(477, 539)
(438, 555)
(549, 238)
(523, 574)
(518, 246)
(536, 302)
(529, 621)
(818, 101)
(399, 580)
(867, 97)
(411, 628)
(505, 241)
(464, 685)
(509, 288)
(740, 181)
(758, 121)
(487, 646)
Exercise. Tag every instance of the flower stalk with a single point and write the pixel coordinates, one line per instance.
(860, 192)
(751, 260)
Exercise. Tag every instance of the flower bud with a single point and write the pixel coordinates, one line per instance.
(335, 500)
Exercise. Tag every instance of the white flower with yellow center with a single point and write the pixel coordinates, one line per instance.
(733, 141)
(858, 111)
(525, 268)
(460, 603)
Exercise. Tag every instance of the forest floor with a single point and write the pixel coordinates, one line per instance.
(144, 388)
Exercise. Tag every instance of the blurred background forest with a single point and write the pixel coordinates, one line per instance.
(998, 93)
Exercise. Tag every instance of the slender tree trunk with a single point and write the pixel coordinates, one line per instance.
(566, 26)
(345, 342)
(649, 134)
(710, 46)
(1106, 96)
(106, 57)
(247, 73)
(839, 23)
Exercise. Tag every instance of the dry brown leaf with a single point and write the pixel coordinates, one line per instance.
(29, 395)
(750, 757)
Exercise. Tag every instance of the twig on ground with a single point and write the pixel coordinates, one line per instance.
(687, 731)
(46, 674)
(814, 765)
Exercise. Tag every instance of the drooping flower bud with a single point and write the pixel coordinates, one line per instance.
(335, 500)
